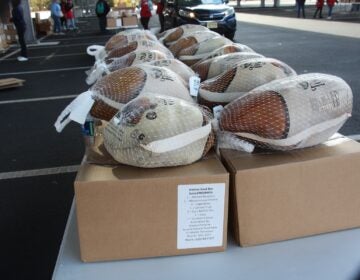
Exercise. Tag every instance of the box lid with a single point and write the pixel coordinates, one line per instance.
(338, 145)
(208, 166)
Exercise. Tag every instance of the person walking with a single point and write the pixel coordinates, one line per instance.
(300, 6)
(145, 13)
(69, 15)
(102, 9)
(56, 15)
(159, 11)
(63, 23)
(330, 4)
(319, 7)
(17, 14)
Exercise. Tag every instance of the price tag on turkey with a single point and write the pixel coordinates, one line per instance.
(194, 84)
(217, 111)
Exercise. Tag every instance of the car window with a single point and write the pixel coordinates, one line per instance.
(198, 2)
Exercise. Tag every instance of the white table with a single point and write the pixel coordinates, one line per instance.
(322, 257)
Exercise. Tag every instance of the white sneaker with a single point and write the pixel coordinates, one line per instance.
(328, 17)
(22, 58)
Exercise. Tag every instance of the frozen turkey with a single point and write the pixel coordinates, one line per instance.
(113, 91)
(175, 65)
(174, 34)
(102, 68)
(118, 40)
(196, 52)
(228, 48)
(240, 79)
(212, 67)
(192, 39)
(156, 131)
(290, 113)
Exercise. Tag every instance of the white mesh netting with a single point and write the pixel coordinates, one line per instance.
(290, 113)
(155, 131)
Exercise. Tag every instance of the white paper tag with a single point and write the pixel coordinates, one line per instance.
(200, 215)
(217, 111)
(194, 84)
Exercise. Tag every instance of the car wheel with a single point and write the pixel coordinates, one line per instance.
(230, 35)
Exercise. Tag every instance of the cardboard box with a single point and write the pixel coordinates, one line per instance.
(126, 212)
(113, 22)
(130, 21)
(284, 195)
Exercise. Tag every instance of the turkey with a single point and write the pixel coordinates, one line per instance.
(291, 113)
(156, 131)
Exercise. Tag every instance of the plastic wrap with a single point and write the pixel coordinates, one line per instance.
(196, 52)
(174, 34)
(102, 68)
(156, 131)
(212, 67)
(177, 66)
(192, 39)
(123, 39)
(290, 113)
(112, 92)
(240, 79)
(141, 45)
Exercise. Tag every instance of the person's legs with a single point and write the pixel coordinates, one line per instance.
(320, 14)
(161, 19)
(22, 43)
(57, 24)
(330, 12)
(302, 6)
(315, 14)
(102, 24)
(298, 9)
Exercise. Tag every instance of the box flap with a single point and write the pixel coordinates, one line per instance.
(336, 146)
(208, 166)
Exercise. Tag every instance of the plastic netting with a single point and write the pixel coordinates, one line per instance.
(240, 79)
(191, 39)
(156, 131)
(290, 113)
(212, 67)
(121, 39)
(177, 66)
(174, 34)
(102, 68)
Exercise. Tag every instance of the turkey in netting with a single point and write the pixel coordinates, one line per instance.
(172, 35)
(118, 40)
(212, 67)
(192, 39)
(112, 92)
(102, 68)
(177, 66)
(226, 49)
(290, 113)
(156, 131)
(142, 45)
(240, 79)
(196, 52)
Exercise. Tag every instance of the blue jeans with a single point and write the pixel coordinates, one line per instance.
(57, 24)
(300, 6)
(330, 11)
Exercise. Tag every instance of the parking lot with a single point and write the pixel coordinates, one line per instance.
(38, 165)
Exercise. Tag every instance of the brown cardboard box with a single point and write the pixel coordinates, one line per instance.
(283, 195)
(130, 21)
(113, 22)
(126, 212)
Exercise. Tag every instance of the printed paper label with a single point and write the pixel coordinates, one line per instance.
(194, 84)
(200, 215)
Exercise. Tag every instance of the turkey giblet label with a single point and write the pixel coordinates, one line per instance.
(194, 84)
(200, 215)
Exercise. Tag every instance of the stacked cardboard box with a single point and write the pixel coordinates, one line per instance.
(122, 16)
(44, 27)
(283, 195)
(10, 33)
(3, 43)
(127, 212)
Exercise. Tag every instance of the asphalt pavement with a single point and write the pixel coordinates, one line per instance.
(38, 165)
